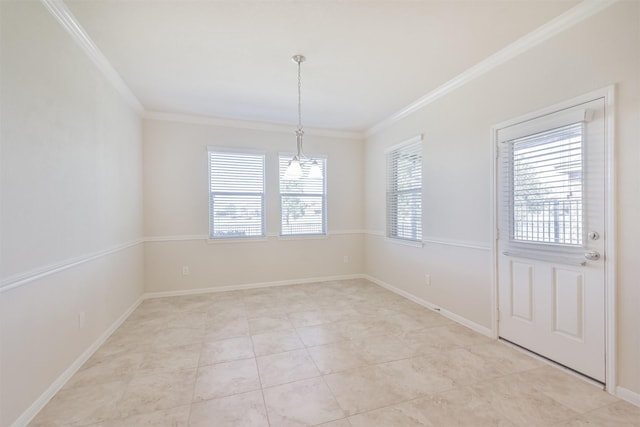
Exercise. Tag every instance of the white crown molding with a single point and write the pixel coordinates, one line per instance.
(69, 22)
(563, 22)
(247, 124)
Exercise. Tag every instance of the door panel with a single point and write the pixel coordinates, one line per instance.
(551, 297)
(568, 303)
(522, 291)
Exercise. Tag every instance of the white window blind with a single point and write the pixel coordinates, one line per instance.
(544, 200)
(236, 196)
(303, 201)
(404, 192)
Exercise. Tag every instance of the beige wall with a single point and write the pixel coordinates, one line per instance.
(176, 207)
(603, 50)
(71, 185)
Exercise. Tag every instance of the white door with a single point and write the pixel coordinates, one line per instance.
(551, 240)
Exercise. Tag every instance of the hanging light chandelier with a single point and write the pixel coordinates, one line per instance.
(296, 164)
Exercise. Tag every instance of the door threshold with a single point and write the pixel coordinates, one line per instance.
(552, 362)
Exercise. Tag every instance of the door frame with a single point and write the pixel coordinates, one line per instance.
(608, 94)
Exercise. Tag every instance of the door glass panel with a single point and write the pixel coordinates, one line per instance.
(546, 198)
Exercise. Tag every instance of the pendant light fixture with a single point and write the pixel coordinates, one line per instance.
(294, 170)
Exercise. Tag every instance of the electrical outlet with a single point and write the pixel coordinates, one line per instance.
(345, 259)
(427, 279)
(185, 270)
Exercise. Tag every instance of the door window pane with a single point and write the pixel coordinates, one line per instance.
(547, 186)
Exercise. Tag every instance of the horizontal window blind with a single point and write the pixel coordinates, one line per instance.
(404, 192)
(302, 200)
(545, 192)
(236, 195)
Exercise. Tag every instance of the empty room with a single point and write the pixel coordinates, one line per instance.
(319, 213)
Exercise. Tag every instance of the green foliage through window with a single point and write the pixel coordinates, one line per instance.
(302, 201)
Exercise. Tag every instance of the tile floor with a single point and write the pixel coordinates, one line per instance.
(335, 354)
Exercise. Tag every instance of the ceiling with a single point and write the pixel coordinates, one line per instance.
(365, 59)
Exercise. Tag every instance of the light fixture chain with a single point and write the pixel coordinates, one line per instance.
(294, 170)
(299, 98)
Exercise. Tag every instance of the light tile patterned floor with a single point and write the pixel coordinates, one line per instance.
(336, 354)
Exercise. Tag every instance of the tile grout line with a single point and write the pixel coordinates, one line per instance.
(597, 405)
(321, 376)
(255, 360)
(195, 382)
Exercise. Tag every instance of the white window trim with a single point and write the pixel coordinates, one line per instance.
(388, 237)
(404, 242)
(413, 139)
(325, 224)
(505, 153)
(238, 150)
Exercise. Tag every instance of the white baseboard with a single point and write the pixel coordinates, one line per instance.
(250, 286)
(37, 406)
(45, 397)
(468, 323)
(446, 313)
(621, 392)
(628, 395)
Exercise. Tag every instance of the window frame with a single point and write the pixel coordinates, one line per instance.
(323, 196)
(407, 146)
(539, 123)
(263, 217)
(515, 162)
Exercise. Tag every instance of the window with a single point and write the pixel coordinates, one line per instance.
(546, 179)
(404, 191)
(303, 201)
(236, 195)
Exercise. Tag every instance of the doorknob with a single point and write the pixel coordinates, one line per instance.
(592, 255)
